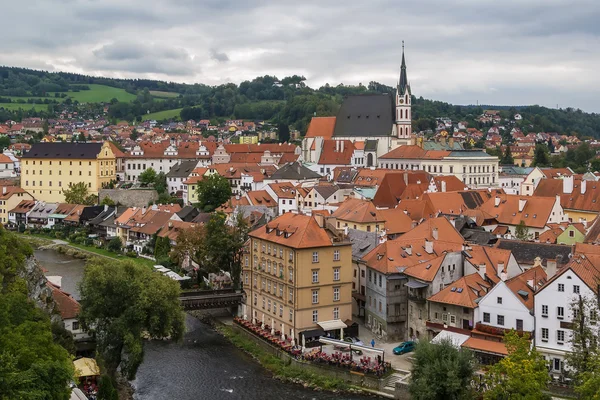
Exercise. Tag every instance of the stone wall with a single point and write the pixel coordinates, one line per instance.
(129, 197)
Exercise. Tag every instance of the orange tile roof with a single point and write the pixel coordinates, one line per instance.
(117, 152)
(486, 346)
(67, 305)
(356, 210)
(452, 183)
(417, 209)
(463, 292)
(321, 126)
(75, 213)
(426, 230)
(5, 159)
(535, 276)
(294, 230)
(10, 190)
(491, 257)
(393, 186)
(336, 152)
(575, 200)
(535, 213)
(261, 198)
(396, 221)
(172, 229)
(284, 190)
(24, 206)
(586, 267)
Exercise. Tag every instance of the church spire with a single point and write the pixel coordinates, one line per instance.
(403, 82)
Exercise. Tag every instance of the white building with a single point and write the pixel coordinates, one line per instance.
(475, 168)
(509, 304)
(553, 309)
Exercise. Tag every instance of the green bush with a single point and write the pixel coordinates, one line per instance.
(131, 254)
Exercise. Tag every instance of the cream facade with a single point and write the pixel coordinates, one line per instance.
(50, 168)
(292, 289)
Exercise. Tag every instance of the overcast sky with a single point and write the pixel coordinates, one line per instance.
(508, 52)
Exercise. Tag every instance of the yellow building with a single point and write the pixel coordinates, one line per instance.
(358, 214)
(49, 168)
(297, 276)
(10, 197)
(251, 139)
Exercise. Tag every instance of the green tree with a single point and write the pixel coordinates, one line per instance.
(160, 183)
(584, 359)
(115, 245)
(107, 389)
(213, 191)
(107, 201)
(76, 193)
(123, 301)
(522, 374)
(541, 158)
(33, 365)
(441, 371)
(4, 142)
(162, 247)
(147, 177)
(522, 231)
(507, 158)
(283, 132)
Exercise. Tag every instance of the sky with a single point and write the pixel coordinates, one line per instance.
(509, 52)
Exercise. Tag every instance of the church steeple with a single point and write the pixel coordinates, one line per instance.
(403, 106)
(403, 82)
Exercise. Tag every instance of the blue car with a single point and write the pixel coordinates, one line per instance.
(404, 347)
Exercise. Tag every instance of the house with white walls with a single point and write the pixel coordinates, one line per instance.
(509, 304)
(554, 308)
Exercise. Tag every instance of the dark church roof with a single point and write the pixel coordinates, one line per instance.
(64, 150)
(526, 252)
(403, 82)
(294, 171)
(367, 115)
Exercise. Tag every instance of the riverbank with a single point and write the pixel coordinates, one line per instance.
(79, 250)
(284, 370)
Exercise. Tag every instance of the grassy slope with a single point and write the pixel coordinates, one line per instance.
(96, 94)
(166, 114)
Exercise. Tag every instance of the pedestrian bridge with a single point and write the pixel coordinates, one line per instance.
(207, 299)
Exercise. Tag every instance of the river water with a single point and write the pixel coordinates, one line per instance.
(204, 366)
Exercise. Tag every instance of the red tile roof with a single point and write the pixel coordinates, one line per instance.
(535, 212)
(336, 152)
(294, 230)
(321, 126)
(463, 292)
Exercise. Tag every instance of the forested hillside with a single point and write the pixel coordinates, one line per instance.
(287, 100)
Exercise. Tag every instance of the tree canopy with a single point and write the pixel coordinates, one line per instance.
(147, 177)
(213, 191)
(441, 371)
(123, 300)
(32, 363)
(522, 374)
(78, 194)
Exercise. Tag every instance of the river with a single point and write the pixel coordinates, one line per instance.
(204, 366)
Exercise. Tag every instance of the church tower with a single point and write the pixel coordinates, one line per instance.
(403, 112)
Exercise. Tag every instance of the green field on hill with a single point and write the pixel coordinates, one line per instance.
(96, 94)
(101, 94)
(26, 106)
(166, 114)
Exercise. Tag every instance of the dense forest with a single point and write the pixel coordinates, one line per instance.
(288, 101)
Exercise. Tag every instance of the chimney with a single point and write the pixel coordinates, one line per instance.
(482, 270)
(341, 145)
(408, 250)
(4, 190)
(500, 270)
(568, 184)
(443, 184)
(428, 247)
(406, 178)
(551, 268)
(583, 186)
(451, 142)
(496, 201)
(434, 233)
(337, 146)
(522, 203)
(106, 207)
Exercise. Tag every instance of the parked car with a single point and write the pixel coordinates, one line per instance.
(353, 340)
(404, 347)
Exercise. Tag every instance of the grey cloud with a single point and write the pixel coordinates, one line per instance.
(218, 56)
(530, 51)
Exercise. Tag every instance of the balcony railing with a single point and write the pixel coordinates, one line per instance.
(497, 331)
(417, 299)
